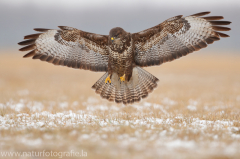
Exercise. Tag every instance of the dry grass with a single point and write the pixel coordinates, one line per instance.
(194, 112)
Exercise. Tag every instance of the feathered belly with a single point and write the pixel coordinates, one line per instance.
(119, 63)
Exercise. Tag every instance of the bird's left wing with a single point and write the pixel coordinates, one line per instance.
(68, 47)
(177, 37)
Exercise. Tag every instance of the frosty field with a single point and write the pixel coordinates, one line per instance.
(193, 113)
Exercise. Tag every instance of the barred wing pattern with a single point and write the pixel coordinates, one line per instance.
(177, 37)
(68, 47)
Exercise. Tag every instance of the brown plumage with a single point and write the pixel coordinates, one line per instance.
(121, 54)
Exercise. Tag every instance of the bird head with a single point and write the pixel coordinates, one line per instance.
(116, 34)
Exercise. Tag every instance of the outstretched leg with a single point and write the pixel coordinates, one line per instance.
(122, 79)
(108, 79)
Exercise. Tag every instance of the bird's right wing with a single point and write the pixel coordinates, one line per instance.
(177, 37)
(69, 47)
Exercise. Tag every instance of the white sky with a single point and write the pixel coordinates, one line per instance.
(88, 3)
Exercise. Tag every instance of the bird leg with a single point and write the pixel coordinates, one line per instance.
(122, 79)
(108, 79)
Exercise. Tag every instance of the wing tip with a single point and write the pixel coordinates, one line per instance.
(219, 28)
(32, 36)
(41, 29)
(222, 34)
(66, 28)
(220, 22)
(62, 27)
(213, 18)
(201, 14)
(27, 42)
(30, 54)
(29, 47)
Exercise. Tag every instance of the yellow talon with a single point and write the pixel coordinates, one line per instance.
(108, 79)
(122, 78)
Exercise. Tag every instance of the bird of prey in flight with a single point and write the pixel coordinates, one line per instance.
(122, 55)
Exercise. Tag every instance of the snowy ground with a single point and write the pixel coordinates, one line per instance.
(142, 131)
(50, 109)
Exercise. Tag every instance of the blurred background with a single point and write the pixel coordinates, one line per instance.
(193, 113)
(19, 17)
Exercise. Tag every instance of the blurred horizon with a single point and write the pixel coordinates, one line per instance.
(18, 18)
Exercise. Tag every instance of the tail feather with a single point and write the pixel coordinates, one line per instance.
(147, 82)
(137, 95)
(119, 94)
(98, 86)
(139, 86)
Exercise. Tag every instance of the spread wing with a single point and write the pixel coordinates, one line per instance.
(68, 47)
(177, 37)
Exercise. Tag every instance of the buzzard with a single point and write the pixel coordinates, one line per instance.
(122, 55)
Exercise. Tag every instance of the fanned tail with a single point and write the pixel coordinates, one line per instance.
(139, 86)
